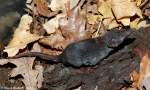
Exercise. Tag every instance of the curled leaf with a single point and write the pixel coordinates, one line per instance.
(71, 29)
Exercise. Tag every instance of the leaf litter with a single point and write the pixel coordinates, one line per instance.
(68, 21)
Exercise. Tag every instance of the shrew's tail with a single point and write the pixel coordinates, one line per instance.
(39, 55)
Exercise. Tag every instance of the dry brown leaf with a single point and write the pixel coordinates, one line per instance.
(21, 37)
(113, 24)
(147, 12)
(92, 19)
(54, 40)
(146, 84)
(28, 1)
(125, 8)
(144, 68)
(135, 78)
(72, 28)
(138, 2)
(104, 7)
(32, 78)
(143, 23)
(125, 21)
(144, 72)
(106, 22)
(40, 7)
(138, 23)
(57, 5)
(52, 25)
(91, 8)
(134, 23)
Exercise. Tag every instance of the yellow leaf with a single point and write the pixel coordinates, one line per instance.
(113, 24)
(104, 7)
(138, 23)
(125, 8)
(138, 2)
(125, 21)
(93, 18)
(57, 5)
(21, 37)
(134, 23)
(52, 25)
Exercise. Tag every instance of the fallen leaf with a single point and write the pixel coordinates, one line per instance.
(125, 8)
(92, 19)
(134, 78)
(143, 23)
(134, 23)
(125, 21)
(73, 25)
(32, 78)
(40, 7)
(71, 29)
(147, 12)
(106, 22)
(57, 5)
(139, 23)
(145, 83)
(138, 2)
(43, 9)
(104, 7)
(92, 8)
(113, 24)
(21, 37)
(28, 1)
(144, 72)
(54, 40)
(144, 68)
(52, 25)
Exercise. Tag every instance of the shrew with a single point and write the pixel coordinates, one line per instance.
(86, 52)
